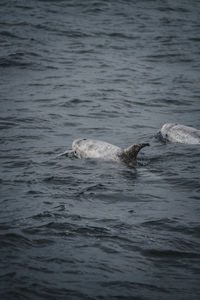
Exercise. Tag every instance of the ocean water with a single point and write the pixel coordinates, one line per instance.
(89, 229)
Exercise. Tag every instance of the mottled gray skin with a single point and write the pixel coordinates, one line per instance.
(86, 148)
(178, 133)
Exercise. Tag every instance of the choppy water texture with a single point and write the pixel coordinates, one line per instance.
(114, 71)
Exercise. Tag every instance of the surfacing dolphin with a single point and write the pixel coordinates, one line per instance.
(178, 133)
(86, 148)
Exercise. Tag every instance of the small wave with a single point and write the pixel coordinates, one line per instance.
(44, 270)
(195, 39)
(19, 164)
(171, 9)
(64, 229)
(12, 63)
(122, 36)
(59, 31)
(169, 57)
(43, 215)
(19, 59)
(9, 34)
(83, 230)
(14, 60)
(172, 225)
(60, 180)
(168, 253)
(7, 276)
(24, 7)
(132, 284)
(19, 241)
(7, 124)
(75, 102)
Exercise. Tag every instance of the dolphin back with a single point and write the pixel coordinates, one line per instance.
(180, 133)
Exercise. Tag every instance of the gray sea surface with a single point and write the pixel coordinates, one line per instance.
(90, 229)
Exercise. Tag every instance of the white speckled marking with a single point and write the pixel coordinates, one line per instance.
(86, 148)
(180, 134)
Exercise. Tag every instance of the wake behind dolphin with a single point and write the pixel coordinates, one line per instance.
(178, 133)
(87, 148)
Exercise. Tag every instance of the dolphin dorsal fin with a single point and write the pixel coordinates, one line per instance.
(130, 154)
